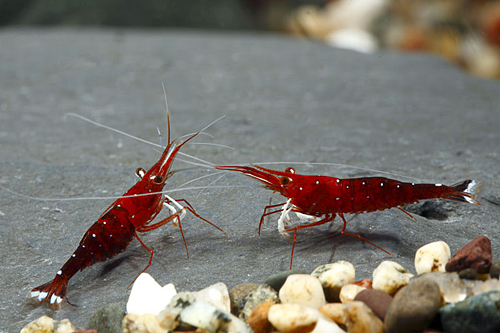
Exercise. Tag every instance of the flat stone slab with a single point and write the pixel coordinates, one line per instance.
(287, 100)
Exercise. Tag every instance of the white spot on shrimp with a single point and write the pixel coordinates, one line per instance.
(83, 246)
(338, 180)
(363, 183)
(413, 184)
(337, 198)
(133, 216)
(368, 197)
(73, 255)
(118, 205)
(42, 296)
(55, 299)
(347, 186)
(110, 236)
(300, 188)
(439, 185)
(59, 272)
(381, 184)
(398, 186)
(104, 222)
(317, 182)
(34, 294)
(93, 235)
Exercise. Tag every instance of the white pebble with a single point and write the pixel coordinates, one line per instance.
(300, 318)
(333, 277)
(212, 319)
(147, 296)
(390, 276)
(349, 291)
(432, 257)
(302, 289)
(216, 294)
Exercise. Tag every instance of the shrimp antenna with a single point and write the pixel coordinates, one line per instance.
(167, 110)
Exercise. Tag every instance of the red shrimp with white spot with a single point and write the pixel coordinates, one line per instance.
(114, 230)
(324, 197)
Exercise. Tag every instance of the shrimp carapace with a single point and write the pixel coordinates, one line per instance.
(324, 197)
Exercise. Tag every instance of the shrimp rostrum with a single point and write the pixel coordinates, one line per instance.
(132, 213)
(323, 197)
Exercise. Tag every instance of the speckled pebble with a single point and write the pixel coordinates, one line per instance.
(276, 281)
(475, 314)
(302, 289)
(134, 323)
(334, 311)
(263, 293)
(390, 276)
(108, 318)
(495, 270)
(333, 277)
(349, 292)
(360, 319)
(476, 254)
(43, 324)
(376, 300)
(413, 307)
(238, 296)
(169, 317)
(212, 318)
(432, 257)
(258, 321)
(452, 288)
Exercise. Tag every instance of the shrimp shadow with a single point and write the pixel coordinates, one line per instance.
(112, 264)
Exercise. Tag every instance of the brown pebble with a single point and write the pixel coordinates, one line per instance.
(258, 318)
(476, 255)
(367, 283)
(414, 307)
(468, 274)
(376, 300)
(238, 296)
(334, 311)
(495, 270)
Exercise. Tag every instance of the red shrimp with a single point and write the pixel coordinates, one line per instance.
(114, 230)
(323, 197)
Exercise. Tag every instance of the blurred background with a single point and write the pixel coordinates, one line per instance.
(465, 32)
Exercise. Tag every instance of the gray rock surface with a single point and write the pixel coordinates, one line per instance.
(287, 100)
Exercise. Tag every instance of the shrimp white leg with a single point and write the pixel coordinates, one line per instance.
(285, 211)
(172, 208)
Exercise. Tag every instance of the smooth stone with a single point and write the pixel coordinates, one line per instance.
(495, 270)
(476, 254)
(478, 313)
(147, 296)
(263, 293)
(452, 287)
(481, 287)
(359, 318)
(212, 318)
(432, 257)
(413, 307)
(468, 274)
(108, 318)
(349, 292)
(64, 326)
(44, 324)
(295, 318)
(238, 296)
(302, 289)
(333, 277)
(390, 276)
(334, 311)
(376, 300)
(216, 294)
(277, 280)
(367, 283)
(135, 323)
(325, 325)
(258, 321)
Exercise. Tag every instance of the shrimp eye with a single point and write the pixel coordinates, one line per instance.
(158, 179)
(290, 170)
(284, 180)
(140, 172)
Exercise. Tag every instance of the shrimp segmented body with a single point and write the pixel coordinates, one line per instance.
(322, 197)
(114, 230)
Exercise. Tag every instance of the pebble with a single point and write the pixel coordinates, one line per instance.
(147, 296)
(216, 294)
(359, 318)
(468, 274)
(262, 294)
(367, 283)
(413, 307)
(43, 324)
(302, 289)
(475, 314)
(481, 287)
(349, 292)
(333, 277)
(238, 296)
(169, 317)
(276, 281)
(452, 287)
(390, 276)
(495, 270)
(258, 321)
(432, 257)
(212, 319)
(108, 318)
(476, 254)
(135, 323)
(334, 311)
(376, 300)
(64, 326)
